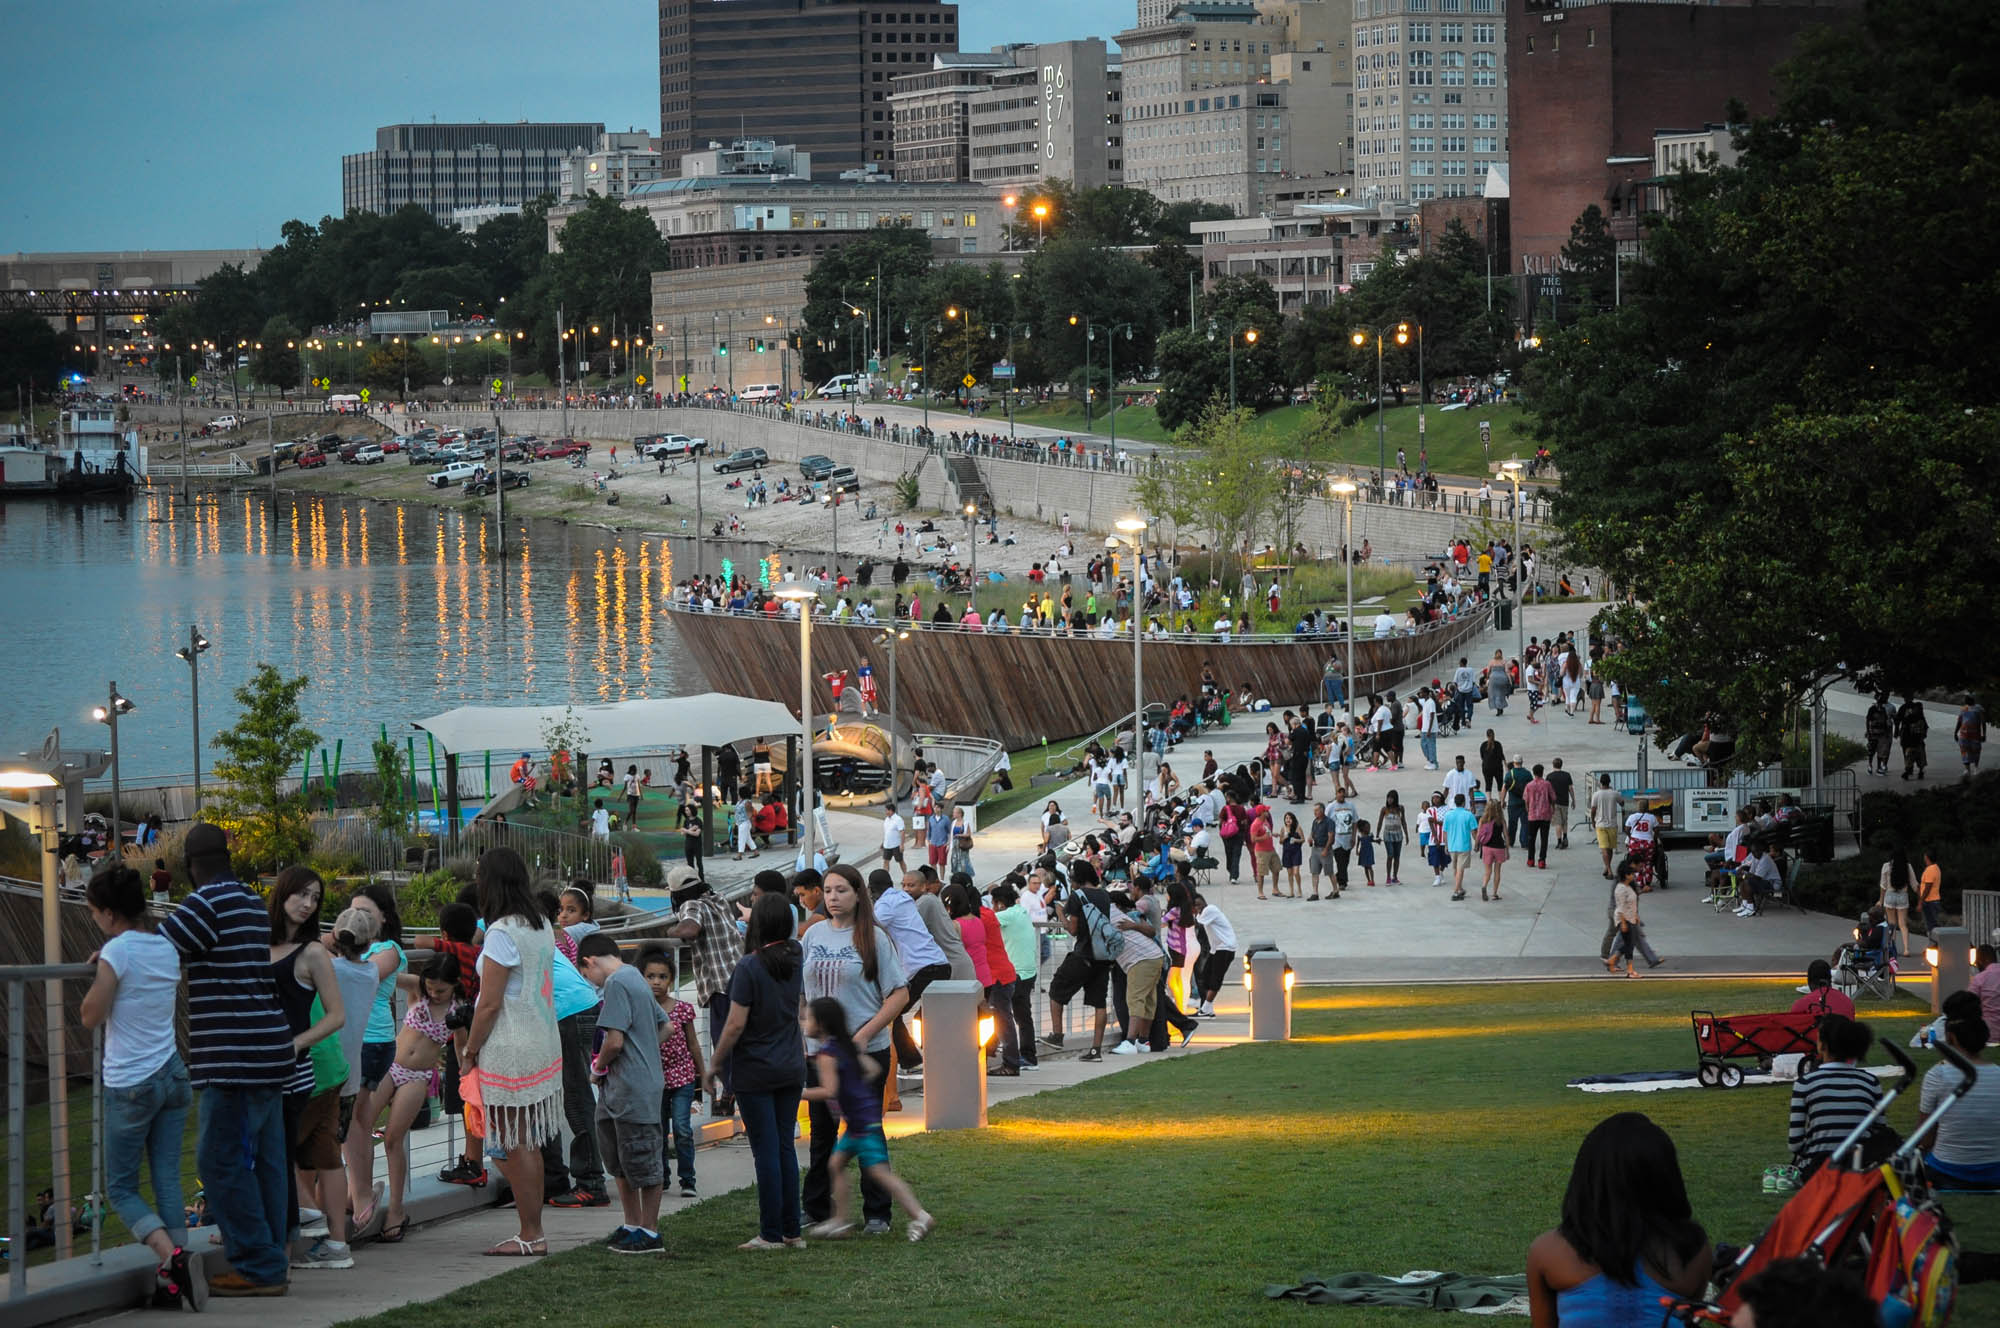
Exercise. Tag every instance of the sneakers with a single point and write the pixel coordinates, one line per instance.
(687, 1192)
(1781, 1179)
(312, 1223)
(876, 1227)
(1207, 1010)
(1052, 1039)
(922, 1225)
(325, 1254)
(1187, 1035)
(1027, 1066)
(830, 1230)
(235, 1284)
(580, 1197)
(463, 1172)
(1094, 1054)
(188, 1279)
(638, 1242)
(1127, 1048)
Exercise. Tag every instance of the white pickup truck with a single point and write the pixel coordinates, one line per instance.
(458, 472)
(675, 446)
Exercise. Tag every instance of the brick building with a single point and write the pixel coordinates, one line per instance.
(1590, 82)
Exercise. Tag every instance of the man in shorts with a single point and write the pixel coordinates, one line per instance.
(1607, 813)
(1087, 967)
(627, 1069)
(1459, 823)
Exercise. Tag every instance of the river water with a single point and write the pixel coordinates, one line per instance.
(393, 612)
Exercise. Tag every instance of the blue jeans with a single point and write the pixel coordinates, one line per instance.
(245, 1174)
(1429, 743)
(768, 1118)
(1000, 996)
(1332, 691)
(677, 1123)
(143, 1126)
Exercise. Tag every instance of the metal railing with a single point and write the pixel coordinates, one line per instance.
(547, 852)
(967, 762)
(54, 1135)
(1981, 910)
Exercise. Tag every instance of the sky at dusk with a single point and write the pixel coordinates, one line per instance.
(207, 124)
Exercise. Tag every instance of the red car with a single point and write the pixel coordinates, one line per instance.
(560, 447)
(392, 445)
(310, 460)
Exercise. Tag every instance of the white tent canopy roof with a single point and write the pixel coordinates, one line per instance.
(709, 720)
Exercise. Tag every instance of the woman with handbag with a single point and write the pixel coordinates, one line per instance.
(1491, 840)
(1233, 827)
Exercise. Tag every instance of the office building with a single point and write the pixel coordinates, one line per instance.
(443, 167)
(1591, 85)
(613, 166)
(815, 73)
(1012, 117)
(1430, 97)
(1228, 102)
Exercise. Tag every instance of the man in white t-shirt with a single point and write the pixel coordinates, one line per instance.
(1459, 780)
(1640, 827)
(892, 837)
(1427, 728)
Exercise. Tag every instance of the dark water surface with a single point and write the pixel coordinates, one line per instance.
(395, 613)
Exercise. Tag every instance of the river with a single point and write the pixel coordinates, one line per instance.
(393, 612)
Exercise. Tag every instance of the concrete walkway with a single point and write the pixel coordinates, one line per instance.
(1549, 922)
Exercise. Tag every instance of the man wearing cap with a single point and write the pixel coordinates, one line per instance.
(703, 917)
(1427, 724)
(240, 1056)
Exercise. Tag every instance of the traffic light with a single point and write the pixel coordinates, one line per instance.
(760, 345)
(721, 348)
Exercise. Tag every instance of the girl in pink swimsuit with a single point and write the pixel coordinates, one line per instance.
(414, 1077)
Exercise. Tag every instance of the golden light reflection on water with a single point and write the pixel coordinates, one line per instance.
(525, 607)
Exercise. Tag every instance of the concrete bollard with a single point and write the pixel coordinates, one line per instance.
(1950, 956)
(1267, 977)
(954, 1058)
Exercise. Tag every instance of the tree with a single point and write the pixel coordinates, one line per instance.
(1885, 591)
(604, 271)
(395, 804)
(31, 353)
(1238, 482)
(276, 363)
(390, 367)
(1099, 288)
(269, 826)
(1195, 366)
(1588, 267)
(899, 255)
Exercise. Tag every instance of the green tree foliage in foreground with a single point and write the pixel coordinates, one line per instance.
(268, 825)
(1778, 441)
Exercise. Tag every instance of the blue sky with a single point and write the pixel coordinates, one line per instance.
(206, 124)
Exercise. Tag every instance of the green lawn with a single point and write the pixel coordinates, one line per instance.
(1451, 436)
(1405, 1127)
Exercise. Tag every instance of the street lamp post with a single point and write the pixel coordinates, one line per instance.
(192, 652)
(972, 538)
(1512, 470)
(887, 640)
(1111, 379)
(802, 595)
(1249, 339)
(1401, 331)
(1134, 530)
(108, 713)
(924, 369)
(1027, 331)
(1041, 216)
(1089, 340)
(1346, 489)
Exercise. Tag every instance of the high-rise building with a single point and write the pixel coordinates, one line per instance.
(1430, 97)
(1228, 102)
(1591, 85)
(1012, 117)
(443, 167)
(814, 73)
(618, 162)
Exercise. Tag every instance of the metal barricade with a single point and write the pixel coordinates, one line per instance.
(41, 1119)
(1981, 909)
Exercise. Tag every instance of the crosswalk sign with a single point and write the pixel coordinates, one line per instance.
(364, 394)
(496, 385)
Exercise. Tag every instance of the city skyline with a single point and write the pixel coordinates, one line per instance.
(182, 127)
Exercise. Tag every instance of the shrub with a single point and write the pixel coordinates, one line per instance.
(463, 868)
(642, 864)
(420, 897)
(1957, 821)
(908, 490)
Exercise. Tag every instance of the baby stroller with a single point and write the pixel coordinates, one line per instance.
(1878, 1221)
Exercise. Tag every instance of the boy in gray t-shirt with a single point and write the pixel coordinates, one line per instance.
(627, 1070)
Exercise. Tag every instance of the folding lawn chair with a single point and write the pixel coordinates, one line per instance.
(1863, 972)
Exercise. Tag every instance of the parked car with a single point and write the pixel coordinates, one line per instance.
(224, 423)
(311, 460)
(395, 445)
(423, 455)
(842, 479)
(674, 446)
(560, 447)
(347, 451)
(482, 485)
(458, 472)
(368, 454)
(743, 458)
(816, 467)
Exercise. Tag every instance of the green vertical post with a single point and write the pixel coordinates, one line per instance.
(436, 809)
(489, 775)
(410, 771)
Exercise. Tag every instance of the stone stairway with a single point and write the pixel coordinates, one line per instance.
(966, 484)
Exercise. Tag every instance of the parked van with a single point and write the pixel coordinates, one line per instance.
(844, 386)
(761, 392)
(344, 403)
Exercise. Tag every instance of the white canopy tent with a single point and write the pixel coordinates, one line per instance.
(710, 720)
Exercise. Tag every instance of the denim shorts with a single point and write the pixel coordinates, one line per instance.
(868, 1145)
(376, 1058)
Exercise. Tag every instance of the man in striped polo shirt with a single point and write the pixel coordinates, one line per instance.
(1829, 1101)
(240, 1056)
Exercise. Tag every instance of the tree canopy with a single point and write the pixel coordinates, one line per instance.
(1777, 440)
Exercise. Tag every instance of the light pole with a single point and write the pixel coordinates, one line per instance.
(1134, 530)
(1012, 204)
(1027, 331)
(1041, 216)
(1111, 378)
(1089, 340)
(801, 594)
(192, 652)
(924, 369)
(1345, 489)
(1250, 335)
(1512, 470)
(108, 713)
(887, 640)
(1401, 331)
(972, 538)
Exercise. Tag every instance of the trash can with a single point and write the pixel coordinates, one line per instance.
(1503, 615)
(1816, 833)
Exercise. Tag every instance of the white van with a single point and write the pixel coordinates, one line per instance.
(844, 386)
(344, 403)
(761, 392)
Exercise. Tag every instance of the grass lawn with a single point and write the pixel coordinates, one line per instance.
(1404, 1127)
(1451, 436)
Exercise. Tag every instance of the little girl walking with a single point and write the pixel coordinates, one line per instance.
(844, 1076)
(414, 1077)
(1364, 851)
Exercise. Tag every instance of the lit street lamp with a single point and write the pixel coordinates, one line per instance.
(1249, 339)
(1134, 530)
(1512, 470)
(802, 595)
(192, 652)
(1041, 215)
(1345, 490)
(1401, 331)
(972, 539)
(108, 713)
(887, 640)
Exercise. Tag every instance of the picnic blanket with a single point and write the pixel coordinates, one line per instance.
(1784, 1071)
(1472, 1293)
